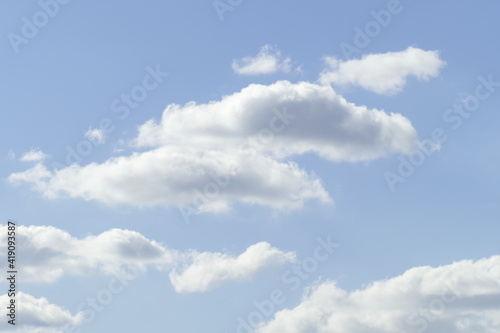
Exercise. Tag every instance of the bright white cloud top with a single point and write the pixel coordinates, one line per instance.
(48, 253)
(283, 119)
(268, 61)
(456, 298)
(237, 149)
(384, 73)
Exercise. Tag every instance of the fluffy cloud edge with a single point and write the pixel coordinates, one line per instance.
(208, 270)
(267, 61)
(456, 298)
(39, 316)
(383, 73)
(34, 155)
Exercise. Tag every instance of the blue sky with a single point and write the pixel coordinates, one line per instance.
(185, 158)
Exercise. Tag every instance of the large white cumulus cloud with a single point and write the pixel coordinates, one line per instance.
(302, 117)
(245, 141)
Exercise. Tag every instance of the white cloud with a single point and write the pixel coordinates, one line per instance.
(48, 253)
(165, 177)
(269, 60)
(37, 315)
(96, 135)
(457, 298)
(207, 270)
(298, 118)
(34, 155)
(384, 73)
(237, 149)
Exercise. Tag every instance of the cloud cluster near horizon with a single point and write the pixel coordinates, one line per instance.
(458, 298)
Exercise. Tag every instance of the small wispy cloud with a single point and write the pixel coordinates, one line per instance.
(268, 61)
(34, 155)
(11, 155)
(96, 135)
(383, 73)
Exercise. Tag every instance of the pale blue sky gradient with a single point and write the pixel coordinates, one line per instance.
(64, 80)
